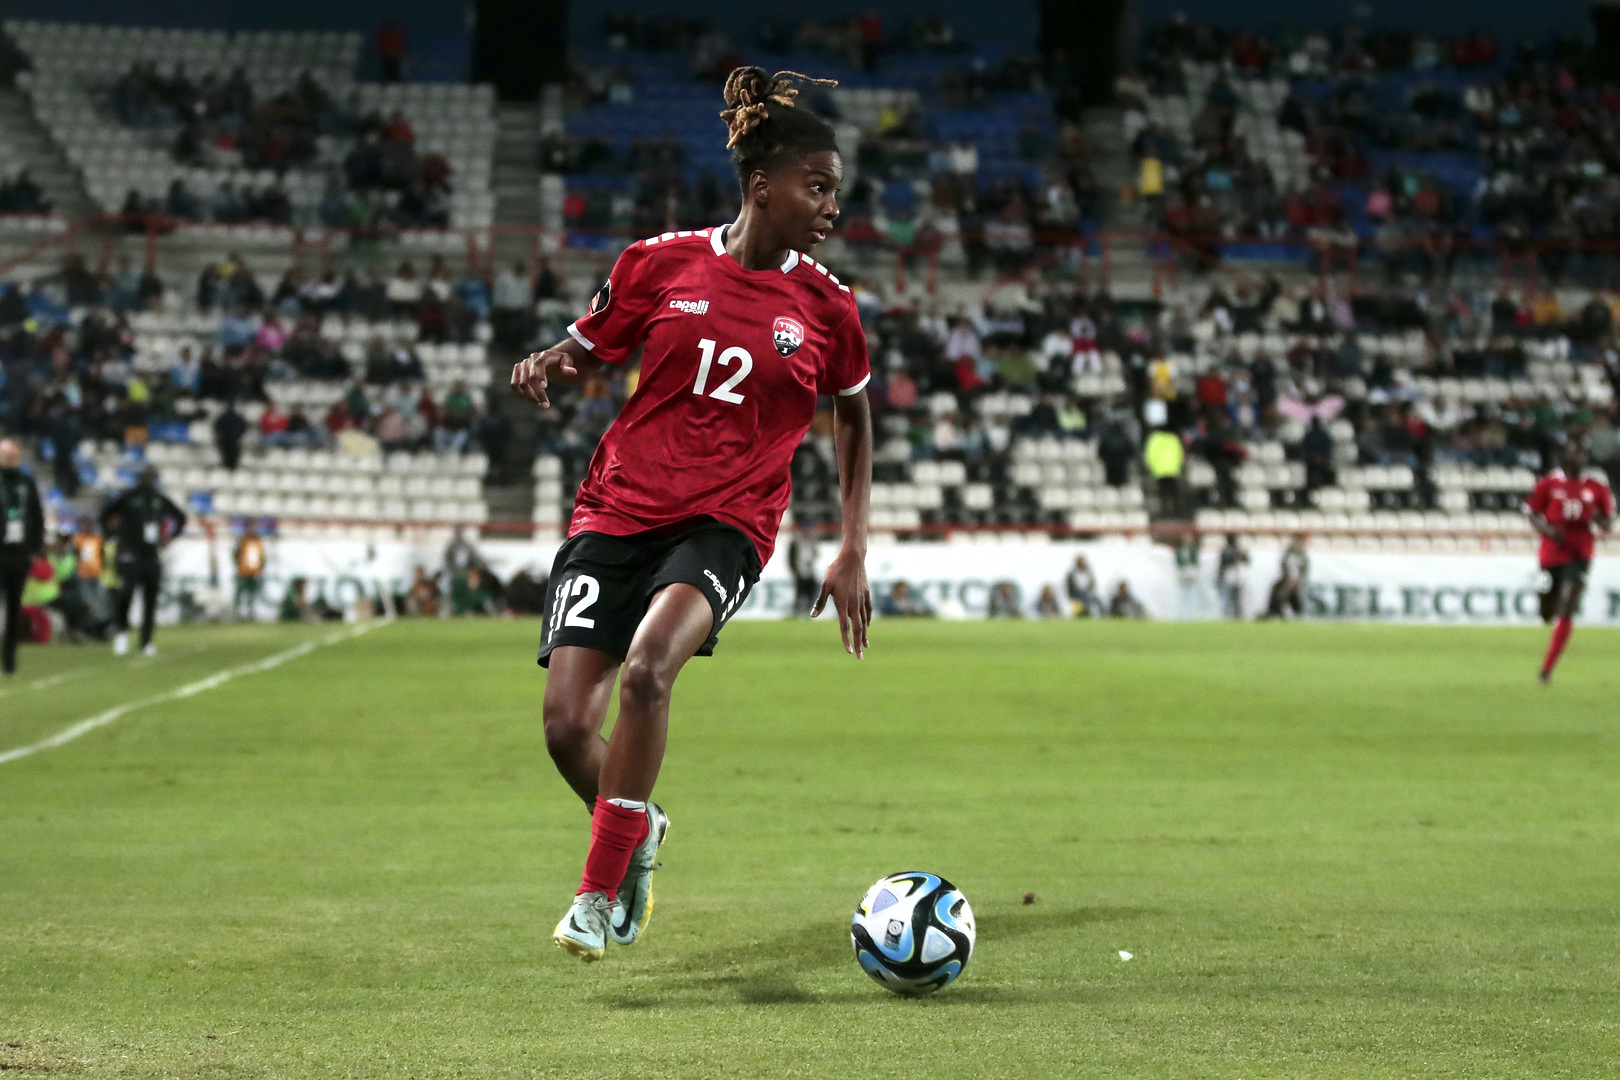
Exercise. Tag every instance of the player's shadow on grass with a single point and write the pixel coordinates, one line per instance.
(765, 972)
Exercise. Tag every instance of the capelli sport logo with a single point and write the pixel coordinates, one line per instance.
(715, 581)
(603, 297)
(788, 334)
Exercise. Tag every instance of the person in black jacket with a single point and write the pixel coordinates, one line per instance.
(144, 520)
(22, 535)
(228, 431)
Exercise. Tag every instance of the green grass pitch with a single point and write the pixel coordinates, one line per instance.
(1333, 851)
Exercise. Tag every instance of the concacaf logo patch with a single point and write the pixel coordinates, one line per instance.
(788, 335)
(603, 296)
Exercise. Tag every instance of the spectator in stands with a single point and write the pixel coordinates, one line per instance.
(299, 431)
(456, 422)
(181, 203)
(1225, 453)
(1124, 604)
(22, 195)
(133, 212)
(1164, 456)
(1230, 574)
(392, 432)
(511, 305)
(492, 431)
(404, 290)
(1116, 450)
(229, 427)
(273, 426)
(391, 53)
(1317, 450)
(185, 375)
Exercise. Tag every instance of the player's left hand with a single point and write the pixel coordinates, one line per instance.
(852, 599)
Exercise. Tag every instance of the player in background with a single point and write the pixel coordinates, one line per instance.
(144, 521)
(740, 332)
(1564, 506)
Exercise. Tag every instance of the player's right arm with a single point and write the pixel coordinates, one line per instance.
(1536, 508)
(610, 332)
(532, 375)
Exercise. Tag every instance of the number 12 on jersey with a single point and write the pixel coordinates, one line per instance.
(726, 391)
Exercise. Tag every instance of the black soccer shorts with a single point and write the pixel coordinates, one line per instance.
(601, 585)
(1574, 571)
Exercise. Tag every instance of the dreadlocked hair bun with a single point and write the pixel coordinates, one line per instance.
(764, 125)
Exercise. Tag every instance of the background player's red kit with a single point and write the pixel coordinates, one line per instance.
(1570, 503)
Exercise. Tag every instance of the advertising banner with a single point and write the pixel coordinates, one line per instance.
(955, 579)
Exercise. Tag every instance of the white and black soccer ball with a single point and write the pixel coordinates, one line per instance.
(913, 933)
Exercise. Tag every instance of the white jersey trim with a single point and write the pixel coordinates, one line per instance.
(857, 388)
(573, 332)
(717, 240)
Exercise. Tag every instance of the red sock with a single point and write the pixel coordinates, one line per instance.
(1560, 637)
(615, 833)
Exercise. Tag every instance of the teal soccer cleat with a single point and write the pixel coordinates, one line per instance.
(583, 931)
(634, 907)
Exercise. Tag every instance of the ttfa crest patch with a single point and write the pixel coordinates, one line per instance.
(788, 335)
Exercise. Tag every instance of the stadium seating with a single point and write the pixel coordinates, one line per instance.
(75, 64)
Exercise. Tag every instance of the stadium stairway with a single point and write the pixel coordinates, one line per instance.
(516, 175)
(523, 196)
(23, 133)
(517, 202)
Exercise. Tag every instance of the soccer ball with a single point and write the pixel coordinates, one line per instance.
(913, 933)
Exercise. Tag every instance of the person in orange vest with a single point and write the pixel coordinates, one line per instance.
(250, 561)
(91, 552)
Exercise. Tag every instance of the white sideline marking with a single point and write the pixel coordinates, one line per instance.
(102, 719)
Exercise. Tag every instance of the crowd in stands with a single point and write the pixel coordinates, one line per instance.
(1420, 145)
(220, 122)
(1045, 349)
(915, 185)
(68, 351)
(861, 40)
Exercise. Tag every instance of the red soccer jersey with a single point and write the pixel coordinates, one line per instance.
(732, 364)
(1571, 504)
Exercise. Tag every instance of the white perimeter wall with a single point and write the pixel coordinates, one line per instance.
(956, 578)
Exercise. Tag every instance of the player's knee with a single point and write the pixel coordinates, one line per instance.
(644, 681)
(568, 729)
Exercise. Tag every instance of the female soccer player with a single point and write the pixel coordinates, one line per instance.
(1564, 506)
(740, 332)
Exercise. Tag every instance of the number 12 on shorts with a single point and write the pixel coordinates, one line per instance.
(584, 590)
